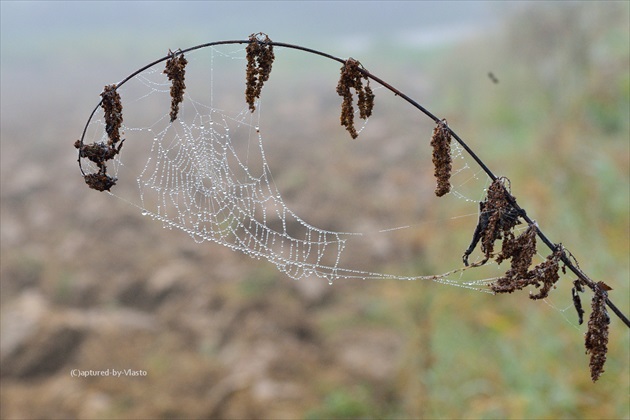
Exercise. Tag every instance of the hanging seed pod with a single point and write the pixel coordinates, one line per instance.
(176, 71)
(351, 78)
(442, 162)
(497, 217)
(112, 108)
(100, 153)
(521, 250)
(502, 217)
(596, 338)
(259, 61)
(100, 181)
(545, 275)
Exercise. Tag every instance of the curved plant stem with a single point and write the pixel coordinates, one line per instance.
(553, 247)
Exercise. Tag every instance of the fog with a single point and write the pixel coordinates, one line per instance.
(89, 283)
(194, 21)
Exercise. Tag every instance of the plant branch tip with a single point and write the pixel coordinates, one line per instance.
(499, 213)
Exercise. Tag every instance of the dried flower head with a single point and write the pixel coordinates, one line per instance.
(100, 153)
(352, 78)
(520, 249)
(112, 108)
(259, 60)
(497, 217)
(442, 162)
(545, 275)
(596, 338)
(100, 181)
(176, 71)
(502, 216)
(96, 152)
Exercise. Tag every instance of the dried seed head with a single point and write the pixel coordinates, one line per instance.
(112, 108)
(596, 338)
(442, 162)
(521, 250)
(100, 153)
(502, 217)
(352, 78)
(96, 152)
(497, 217)
(259, 61)
(545, 275)
(100, 181)
(365, 103)
(176, 71)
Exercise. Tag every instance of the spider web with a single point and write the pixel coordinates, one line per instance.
(208, 174)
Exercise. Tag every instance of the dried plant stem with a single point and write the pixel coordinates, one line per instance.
(595, 287)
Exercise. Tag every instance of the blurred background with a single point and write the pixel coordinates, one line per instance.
(88, 283)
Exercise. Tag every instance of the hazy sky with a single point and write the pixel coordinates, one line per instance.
(43, 42)
(195, 22)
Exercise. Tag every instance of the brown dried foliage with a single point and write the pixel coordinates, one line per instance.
(100, 181)
(259, 61)
(113, 113)
(520, 250)
(596, 338)
(442, 162)
(543, 276)
(176, 71)
(352, 78)
(497, 217)
(502, 217)
(100, 153)
(577, 302)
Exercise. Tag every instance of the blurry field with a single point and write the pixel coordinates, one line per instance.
(88, 283)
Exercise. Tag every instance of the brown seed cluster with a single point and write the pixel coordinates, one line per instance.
(543, 276)
(176, 71)
(100, 153)
(352, 78)
(259, 60)
(596, 338)
(497, 217)
(442, 162)
(113, 113)
(502, 217)
(520, 250)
